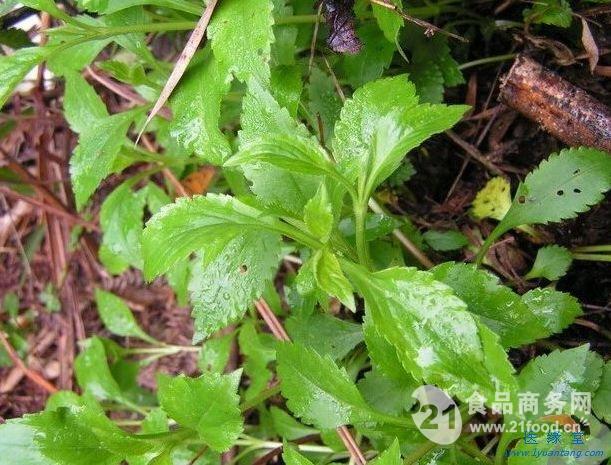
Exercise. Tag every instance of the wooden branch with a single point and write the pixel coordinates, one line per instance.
(32, 375)
(564, 110)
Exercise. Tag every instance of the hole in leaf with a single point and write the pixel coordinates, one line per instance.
(560, 192)
(576, 171)
(577, 191)
(243, 269)
(521, 199)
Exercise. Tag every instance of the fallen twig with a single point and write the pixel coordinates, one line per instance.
(181, 64)
(429, 28)
(32, 375)
(474, 153)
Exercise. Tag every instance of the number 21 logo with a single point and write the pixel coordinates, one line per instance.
(436, 415)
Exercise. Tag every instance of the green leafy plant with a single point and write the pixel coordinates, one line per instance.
(299, 167)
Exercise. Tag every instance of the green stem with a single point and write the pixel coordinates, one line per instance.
(297, 235)
(164, 350)
(362, 248)
(593, 248)
(481, 254)
(499, 458)
(419, 453)
(475, 452)
(259, 444)
(592, 257)
(487, 60)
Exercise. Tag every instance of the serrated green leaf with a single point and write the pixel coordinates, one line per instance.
(192, 224)
(370, 62)
(497, 306)
(388, 20)
(86, 413)
(428, 80)
(517, 320)
(241, 35)
(325, 334)
(431, 66)
(445, 241)
(380, 124)
(83, 107)
(494, 200)
(113, 263)
(215, 353)
(323, 101)
(299, 154)
(553, 12)
(13, 68)
(178, 278)
(208, 404)
(318, 215)
(436, 338)
(285, 35)
(155, 197)
(223, 286)
(383, 355)
(330, 278)
(391, 456)
(261, 116)
(287, 86)
(17, 440)
(552, 262)
(121, 221)
(291, 457)
(134, 42)
(287, 427)
(555, 310)
(73, 58)
(59, 433)
(376, 226)
(156, 421)
(117, 317)
(559, 373)
(386, 394)
(601, 402)
(565, 184)
(93, 373)
(111, 6)
(317, 391)
(196, 105)
(94, 157)
(258, 355)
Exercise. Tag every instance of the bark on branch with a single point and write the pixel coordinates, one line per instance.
(566, 111)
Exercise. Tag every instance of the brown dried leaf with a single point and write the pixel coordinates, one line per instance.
(587, 39)
(197, 183)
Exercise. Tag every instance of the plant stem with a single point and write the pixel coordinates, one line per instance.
(499, 458)
(487, 60)
(362, 248)
(163, 350)
(592, 257)
(403, 239)
(481, 254)
(474, 452)
(419, 453)
(249, 441)
(593, 248)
